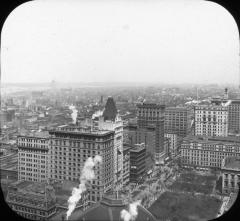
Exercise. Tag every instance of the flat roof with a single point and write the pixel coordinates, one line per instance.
(151, 105)
(206, 139)
(38, 134)
(80, 130)
(232, 163)
(137, 148)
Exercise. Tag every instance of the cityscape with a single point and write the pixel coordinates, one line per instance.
(114, 152)
(120, 111)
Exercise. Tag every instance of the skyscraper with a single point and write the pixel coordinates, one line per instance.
(153, 114)
(71, 146)
(111, 121)
(234, 116)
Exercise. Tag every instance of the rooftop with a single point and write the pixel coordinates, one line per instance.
(31, 187)
(109, 209)
(79, 130)
(178, 108)
(232, 163)
(138, 147)
(217, 140)
(150, 105)
(206, 106)
(39, 134)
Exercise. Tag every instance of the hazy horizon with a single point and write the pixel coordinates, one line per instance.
(163, 42)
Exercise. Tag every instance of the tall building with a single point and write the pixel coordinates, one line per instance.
(34, 201)
(126, 164)
(111, 121)
(230, 174)
(153, 114)
(138, 135)
(234, 116)
(233, 106)
(33, 157)
(211, 120)
(137, 163)
(178, 120)
(71, 146)
(208, 152)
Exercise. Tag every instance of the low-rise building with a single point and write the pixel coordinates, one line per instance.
(35, 201)
(230, 174)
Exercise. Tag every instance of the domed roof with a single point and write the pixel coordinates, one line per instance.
(109, 209)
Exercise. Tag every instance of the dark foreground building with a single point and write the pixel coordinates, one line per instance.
(34, 201)
(109, 209)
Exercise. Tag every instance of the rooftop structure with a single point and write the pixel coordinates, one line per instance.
(32, 200)
(39, 134)
(109, 209)
(213, 140)
(110, 111)
(231, 163)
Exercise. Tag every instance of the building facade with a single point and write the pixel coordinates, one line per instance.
(126, 164)
(178, 120)
(234, 116)
(138, 135)
(33, 157)
(208, 152)
(137, 163)
(151, 114)
(174, 144)
(71, 146)
(117, 127)
(34, 201)
(230, 174)
(211, 120)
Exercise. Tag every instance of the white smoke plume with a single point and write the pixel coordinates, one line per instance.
(74, 113)
(98, 113)
(87, 174)
(130, 215)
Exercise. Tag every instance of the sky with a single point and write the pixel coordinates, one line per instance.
(160, 41)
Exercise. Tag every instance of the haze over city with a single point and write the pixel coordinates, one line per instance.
(119, 110)
(119, 41)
